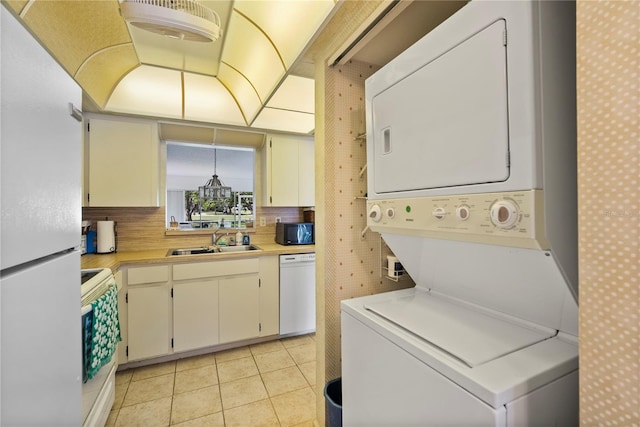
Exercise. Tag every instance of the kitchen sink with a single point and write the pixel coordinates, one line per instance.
(204, 250)
(238, 248)
(192, 251)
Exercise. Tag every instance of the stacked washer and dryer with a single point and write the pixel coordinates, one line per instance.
(471, 151)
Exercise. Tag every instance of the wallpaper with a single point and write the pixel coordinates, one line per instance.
(608, 41)
(351, 257)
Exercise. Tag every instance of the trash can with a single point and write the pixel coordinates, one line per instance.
(333, 403)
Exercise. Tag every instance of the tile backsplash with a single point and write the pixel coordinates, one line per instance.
(144, 228)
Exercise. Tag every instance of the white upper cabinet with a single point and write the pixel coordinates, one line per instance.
(289, 171)
(121, 162)
(306, 173)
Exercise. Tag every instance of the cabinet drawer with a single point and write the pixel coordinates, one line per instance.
(139, 275)
(215, 268)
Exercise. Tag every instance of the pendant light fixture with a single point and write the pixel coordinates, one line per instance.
(214, 189)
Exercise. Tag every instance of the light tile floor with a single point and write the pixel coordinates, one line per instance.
(267, 384)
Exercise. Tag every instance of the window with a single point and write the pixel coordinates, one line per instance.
(190, 166)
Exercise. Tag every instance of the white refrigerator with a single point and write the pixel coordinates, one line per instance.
(40, 200)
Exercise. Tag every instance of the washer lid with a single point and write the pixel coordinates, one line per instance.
(472, 335)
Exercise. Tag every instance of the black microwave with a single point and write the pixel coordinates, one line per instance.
(295, 233)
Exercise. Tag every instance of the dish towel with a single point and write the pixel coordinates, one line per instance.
(87, 328)
(105, 331)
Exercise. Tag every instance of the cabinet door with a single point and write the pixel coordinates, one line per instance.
(123, 162)
(239, 308)
(269, 296)
(148, 321)
(195, 314)
(306, 173)
(122, 317)
(282, 170)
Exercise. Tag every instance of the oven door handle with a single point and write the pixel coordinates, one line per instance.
(84, 310)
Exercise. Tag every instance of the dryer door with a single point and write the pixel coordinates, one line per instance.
(448, 120)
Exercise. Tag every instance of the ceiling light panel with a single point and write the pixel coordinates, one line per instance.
(148, 91)
(289, 24)
(249, 51)
(206, 99)
(295, 93)
(193, 56)
(243, 92)
(98, 74)
(284, 120)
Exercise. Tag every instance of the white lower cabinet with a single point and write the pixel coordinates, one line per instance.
(269, 295)
(192, 306)
(239, 308)
(195, 314)
(122, 317)
(148, 312)
(148, 322)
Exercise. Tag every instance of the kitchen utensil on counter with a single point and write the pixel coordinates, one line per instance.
(106, 237)
(309, 215)
(92, 241)
(173, 224)
(83, 239)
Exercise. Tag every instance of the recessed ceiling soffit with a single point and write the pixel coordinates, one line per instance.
(125, 69)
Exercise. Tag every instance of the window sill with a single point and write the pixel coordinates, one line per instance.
(205, 232)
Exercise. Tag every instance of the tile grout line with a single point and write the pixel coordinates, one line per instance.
(265, 388)
(173, 392)
(224, 420)
(219, 385)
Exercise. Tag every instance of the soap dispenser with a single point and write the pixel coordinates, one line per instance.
(239, 238)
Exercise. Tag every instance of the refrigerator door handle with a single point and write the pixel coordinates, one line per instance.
(74, 112)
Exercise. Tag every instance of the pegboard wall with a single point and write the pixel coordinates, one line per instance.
(353, 257)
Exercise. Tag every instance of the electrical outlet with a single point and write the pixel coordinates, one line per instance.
(263, 221)
(278, 219)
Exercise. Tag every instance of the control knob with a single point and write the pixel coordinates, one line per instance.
(438, 213)
(504, 213)
(463, 212)
(375, 213)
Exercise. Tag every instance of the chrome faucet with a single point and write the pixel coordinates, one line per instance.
(215, 238)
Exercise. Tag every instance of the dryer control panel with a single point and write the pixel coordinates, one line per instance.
(508, 219)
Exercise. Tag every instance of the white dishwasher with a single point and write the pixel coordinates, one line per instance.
(297, 294)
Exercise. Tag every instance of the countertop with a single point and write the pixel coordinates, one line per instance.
(159, 256)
